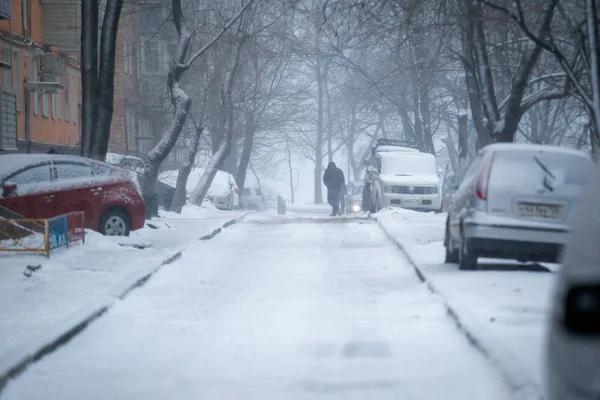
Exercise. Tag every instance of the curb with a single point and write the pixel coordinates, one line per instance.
(513, 374)
(14, 363)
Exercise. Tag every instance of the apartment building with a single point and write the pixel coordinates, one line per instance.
(40, 90)
(39, 84)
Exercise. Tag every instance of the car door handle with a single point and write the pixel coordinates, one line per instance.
(96, 191)
(49, 197)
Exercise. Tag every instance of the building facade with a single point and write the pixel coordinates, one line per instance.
(39, 84)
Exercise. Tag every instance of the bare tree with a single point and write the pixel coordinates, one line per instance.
(582, 65)
(219, 156)
(179, 98)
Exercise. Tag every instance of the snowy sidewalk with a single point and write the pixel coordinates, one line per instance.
(80, 283)
(298, 311)
(503, 307)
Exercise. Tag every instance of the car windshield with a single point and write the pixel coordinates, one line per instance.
(408, 164)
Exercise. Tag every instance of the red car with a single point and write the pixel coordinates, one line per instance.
(44, 185)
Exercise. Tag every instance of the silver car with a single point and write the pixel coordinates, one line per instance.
(573, 340)
(514, 202)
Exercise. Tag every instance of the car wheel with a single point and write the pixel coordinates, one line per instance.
(115, 223)
(451, 252)
(467, 258)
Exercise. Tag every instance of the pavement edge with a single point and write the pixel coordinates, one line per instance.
(517, 379)
(16, 362)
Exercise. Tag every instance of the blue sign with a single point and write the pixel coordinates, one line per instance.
(58, 231)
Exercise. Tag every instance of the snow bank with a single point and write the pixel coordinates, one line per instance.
(502, 308)
(78, 283)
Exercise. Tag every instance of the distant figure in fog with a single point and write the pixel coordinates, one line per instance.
(333, 178)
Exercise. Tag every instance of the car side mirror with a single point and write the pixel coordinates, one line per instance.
(8, 188)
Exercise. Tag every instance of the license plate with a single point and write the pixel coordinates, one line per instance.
(545, 211)
(410, 203)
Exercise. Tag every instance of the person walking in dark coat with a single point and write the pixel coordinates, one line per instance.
(333, 178)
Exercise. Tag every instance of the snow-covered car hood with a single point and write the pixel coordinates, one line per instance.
(430, 180)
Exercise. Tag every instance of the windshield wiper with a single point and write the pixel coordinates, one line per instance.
(547, 184)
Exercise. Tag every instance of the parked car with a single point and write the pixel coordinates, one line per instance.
(253, 199)
(223, 191)
(515, 201)
(404, 179)
(354, 198)
(572, 350)
(44, 186)
(128, 162)
(382, 146)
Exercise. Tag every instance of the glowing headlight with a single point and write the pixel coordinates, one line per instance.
(356, 207)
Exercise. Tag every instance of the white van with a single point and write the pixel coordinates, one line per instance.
(407, 179)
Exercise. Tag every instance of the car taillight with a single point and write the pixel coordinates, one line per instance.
(484, 177)
(236, 190)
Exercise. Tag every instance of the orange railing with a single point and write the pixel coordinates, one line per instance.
(41, 235)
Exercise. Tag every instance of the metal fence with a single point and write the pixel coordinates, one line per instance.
(41, 235)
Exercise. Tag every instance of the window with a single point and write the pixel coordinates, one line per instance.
(31, 176)
(25, 14)
(152, 62)
(35, 95)
(128, 57)
(59, 113)
(66, 94)
(16, 83)
(6, 66)
(67, 171)
(100, 169)
(258, 192)
(54, 105)
(246, 192)
(45, 109)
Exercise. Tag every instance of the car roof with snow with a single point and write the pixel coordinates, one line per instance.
(411, 154)
(396, 149)
(10, 163)
(170, 178)
(531, 147)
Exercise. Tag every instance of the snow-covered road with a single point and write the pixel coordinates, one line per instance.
(277, 311)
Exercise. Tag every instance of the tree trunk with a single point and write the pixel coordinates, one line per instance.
(179, 98)
(169, 138)
(318, 199)
(184, 172)
(463, 143)
(290, 169)
(89, 72)
(247, 150)
(106, 81)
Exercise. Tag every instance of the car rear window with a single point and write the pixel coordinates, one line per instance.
(523, 170)
(100, 169)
